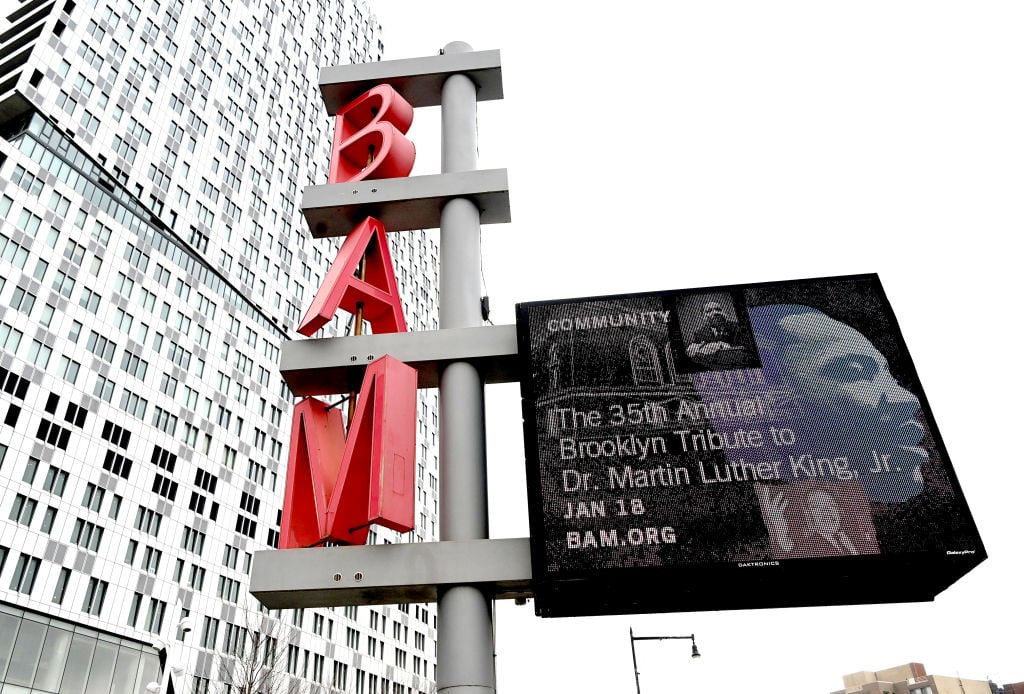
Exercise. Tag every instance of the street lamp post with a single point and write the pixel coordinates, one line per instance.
(170, 662)
(632, 646)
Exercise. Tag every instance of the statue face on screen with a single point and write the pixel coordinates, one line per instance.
(849, 396)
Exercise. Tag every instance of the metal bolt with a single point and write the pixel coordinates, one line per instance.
(352, 358)
(358, 575)
(369, 357)
(337, 577)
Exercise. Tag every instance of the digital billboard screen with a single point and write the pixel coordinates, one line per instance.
(733, 447)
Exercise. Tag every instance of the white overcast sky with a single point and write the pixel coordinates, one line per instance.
(661, 145)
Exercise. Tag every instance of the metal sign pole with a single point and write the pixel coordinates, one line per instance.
(465, 636)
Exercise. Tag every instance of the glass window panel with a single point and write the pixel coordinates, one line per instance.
(77, 671)
(51, 664)
(102, 668)
(126, 670)
(8, 632)
(22, 669)
(149, 672)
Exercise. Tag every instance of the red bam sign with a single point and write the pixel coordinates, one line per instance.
(340, 483)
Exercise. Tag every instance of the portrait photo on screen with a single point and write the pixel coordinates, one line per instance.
(717, 335)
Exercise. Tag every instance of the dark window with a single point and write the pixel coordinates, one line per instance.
(246, 526)
(165, 487)
(75, 415)
(53, 434)
(250, 504)
(204, 480)
(164, 459)
(12, 415)
(117, 464)
(117, 435)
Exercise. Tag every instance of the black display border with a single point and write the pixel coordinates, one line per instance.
(639, 577)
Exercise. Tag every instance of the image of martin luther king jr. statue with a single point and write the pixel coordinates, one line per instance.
(827, 384)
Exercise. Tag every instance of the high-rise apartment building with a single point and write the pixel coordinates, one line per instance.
(152, 260)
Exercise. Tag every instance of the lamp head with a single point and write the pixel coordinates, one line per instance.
(696, 653)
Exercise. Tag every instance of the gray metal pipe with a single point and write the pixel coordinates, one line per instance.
(465, 628)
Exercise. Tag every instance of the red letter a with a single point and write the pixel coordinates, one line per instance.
(343, 288)
(334, 489)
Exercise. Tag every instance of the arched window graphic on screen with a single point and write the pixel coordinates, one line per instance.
(677, 436)
(644, 358)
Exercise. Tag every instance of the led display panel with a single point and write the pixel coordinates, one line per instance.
(745, 446)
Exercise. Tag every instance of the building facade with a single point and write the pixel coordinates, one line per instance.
(152, 260)
(912, 678)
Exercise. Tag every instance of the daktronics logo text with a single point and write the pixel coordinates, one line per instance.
(746, 564)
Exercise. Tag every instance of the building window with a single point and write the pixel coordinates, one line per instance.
(228, 588)
(192, 540)
(245, 525)
(94, 596)
(130, 552)
(196, 577)
(165, 487)
(93, 497)
(25, 571)
(62, 585)
(148, 521)
(22, 509)
(56, 480)
(151, 560)
(133, 611)
(87, 535)
(208, 638)
(230, 559)
(292, 665)
(340, 677)
(31, 466)
(48, 519)
(155, 615)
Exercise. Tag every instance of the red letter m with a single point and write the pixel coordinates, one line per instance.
(337, 488)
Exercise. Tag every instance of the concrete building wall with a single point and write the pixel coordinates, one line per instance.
(958, 685)
(912, 678)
